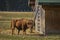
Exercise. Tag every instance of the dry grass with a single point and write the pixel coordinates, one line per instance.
(5, 31)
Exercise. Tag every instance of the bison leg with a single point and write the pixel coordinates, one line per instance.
(24, 32)
(13, 26)
(13, 31)
(18, 32)
(31, 29)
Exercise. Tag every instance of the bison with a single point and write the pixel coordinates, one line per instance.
(21, 24)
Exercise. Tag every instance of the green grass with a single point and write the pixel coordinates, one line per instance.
(22, 37)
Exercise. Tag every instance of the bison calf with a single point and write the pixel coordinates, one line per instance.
(21, 24)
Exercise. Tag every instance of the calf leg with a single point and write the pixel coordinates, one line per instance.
(18, 32)
(13, 31)
(24, 32)
(31, 29)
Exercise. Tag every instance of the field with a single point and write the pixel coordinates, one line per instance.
(28, 37)
(5, 27)
(6, 17)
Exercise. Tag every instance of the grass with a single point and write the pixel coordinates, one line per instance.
(5, 25)
(22, 37)
(7, 16)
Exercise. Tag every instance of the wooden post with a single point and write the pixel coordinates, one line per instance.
(40, 20)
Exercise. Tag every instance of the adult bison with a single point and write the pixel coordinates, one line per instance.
(21, 24)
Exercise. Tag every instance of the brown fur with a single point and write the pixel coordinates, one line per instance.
(21, 24)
